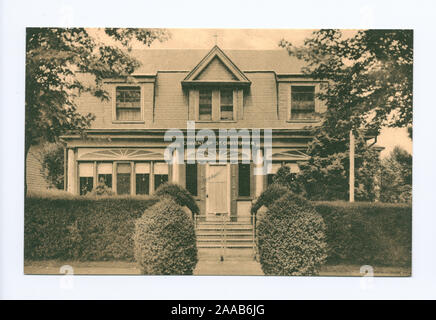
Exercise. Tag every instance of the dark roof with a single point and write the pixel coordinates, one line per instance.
(154, 60)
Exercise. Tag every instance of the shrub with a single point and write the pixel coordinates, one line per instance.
(81, 228)
(180, 195)
(269, 196)
(291, 239)
(367, 233)
(101, 189)
(165, 241)
(52, 164)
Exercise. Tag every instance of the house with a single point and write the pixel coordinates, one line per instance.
(174, 89)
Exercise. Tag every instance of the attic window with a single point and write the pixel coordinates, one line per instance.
(226, 109)
(128, 103)
(205, 105)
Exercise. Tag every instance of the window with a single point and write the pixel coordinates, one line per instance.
(142, 178)
(205, 105)
(302, 102)
(86, 175)
(123, 178)
(191, 178)
(226, 108)
(160, 170)
(128, 103)
(244, 179)
(104, 173)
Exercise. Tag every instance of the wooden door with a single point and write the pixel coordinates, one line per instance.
(217, 191)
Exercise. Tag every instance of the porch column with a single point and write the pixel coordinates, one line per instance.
(259, 178)
(71, 172)
(175, 167)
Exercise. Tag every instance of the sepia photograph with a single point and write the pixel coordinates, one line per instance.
(226, 152)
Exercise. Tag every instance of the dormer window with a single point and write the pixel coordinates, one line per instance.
(226, 104)
(302, 102)
(205, 105)
(128, 103)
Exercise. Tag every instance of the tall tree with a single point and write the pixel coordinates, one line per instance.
(53, 58)
(370, 85)
(396, 177)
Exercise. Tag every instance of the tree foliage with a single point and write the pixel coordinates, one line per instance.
(396, 177)
(54, 57)
(368, 82)
(369, 75)
(52, 164)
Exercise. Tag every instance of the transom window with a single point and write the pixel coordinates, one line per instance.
(226, 108)
(205, 105)
(128, 103)
(302, 102)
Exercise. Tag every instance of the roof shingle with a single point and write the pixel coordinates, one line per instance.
(154, 60)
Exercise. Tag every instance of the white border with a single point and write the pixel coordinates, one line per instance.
(16, 15)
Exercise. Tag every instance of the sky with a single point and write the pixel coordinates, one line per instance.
(261, 39)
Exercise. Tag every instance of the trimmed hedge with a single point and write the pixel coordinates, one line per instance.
(291, 239)
(165, 241)
(179, 194)
(82, 228)
(368, 233)
(269, 196)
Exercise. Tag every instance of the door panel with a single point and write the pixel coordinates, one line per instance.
(217, 197)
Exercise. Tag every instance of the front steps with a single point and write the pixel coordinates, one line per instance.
(230, 239)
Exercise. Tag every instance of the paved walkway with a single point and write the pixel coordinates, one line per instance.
(235, 262)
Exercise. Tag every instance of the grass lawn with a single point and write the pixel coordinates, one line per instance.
(204, 267)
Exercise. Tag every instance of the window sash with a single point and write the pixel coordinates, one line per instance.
(302, 102)
(142, 183)
(128, 103)
(205, 105)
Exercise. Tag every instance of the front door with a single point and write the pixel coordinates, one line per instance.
(217, 192)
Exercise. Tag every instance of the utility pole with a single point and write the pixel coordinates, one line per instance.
(351, 166)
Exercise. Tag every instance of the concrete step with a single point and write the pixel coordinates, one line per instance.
(227, 223)
(236, 227)
(226, 241)
(217, 235)
(228, 245)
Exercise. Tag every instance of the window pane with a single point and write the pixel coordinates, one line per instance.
(191, 178)
(226, 104)
(142, 183)
(244, 179)
(226, 97)
(205, 105)
(123, 178)
(86, 185)
(128, 103)
(128, 114)
(160, 179)
(303, 102)
(106, 179)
